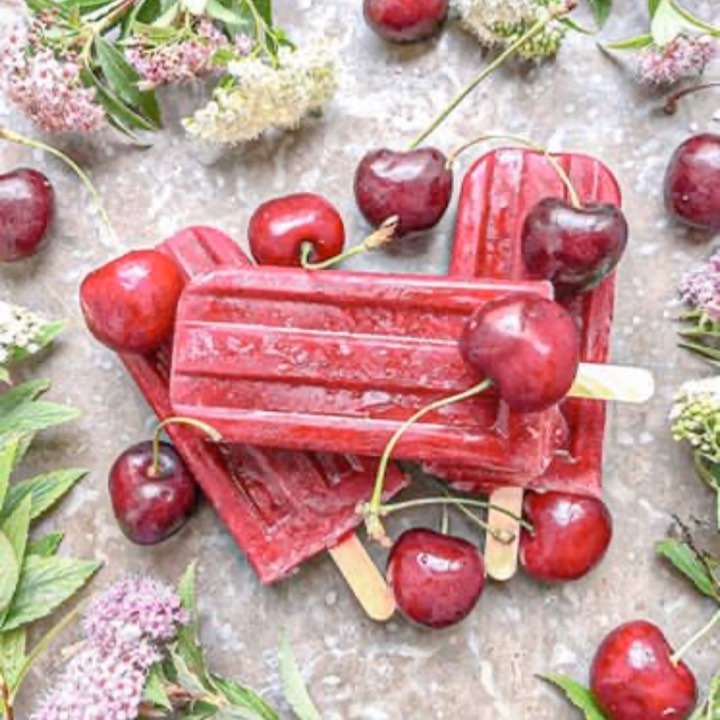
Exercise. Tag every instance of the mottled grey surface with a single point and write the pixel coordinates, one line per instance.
(484, 668)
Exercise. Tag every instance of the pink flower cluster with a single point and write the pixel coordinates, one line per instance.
(700, 288)
(684, 57)
(126, 629)
(175, 61)
(47, 89)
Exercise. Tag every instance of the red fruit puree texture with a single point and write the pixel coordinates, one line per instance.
(280, 507)
(337, 361)
(496, 194)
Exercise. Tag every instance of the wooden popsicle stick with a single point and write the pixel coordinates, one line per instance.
(501, 559)
(613, 382)
(364, 578)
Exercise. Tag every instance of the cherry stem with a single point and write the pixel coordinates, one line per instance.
(552, 13)
(444, 521)
(501, 535)
(671, 104)
(197, 424)
(678, 654)
(382, 236)
(373, 509)
(559, 169)
(14, 137)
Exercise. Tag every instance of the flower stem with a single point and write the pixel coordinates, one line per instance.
(5, 699)
(552, 13)
(14, 137)
(382, 236)
(671, 104)
(197, 424)
(572, 193)
(677, 656)
(374, 508)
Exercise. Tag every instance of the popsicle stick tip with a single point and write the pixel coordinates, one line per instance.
(501, 555)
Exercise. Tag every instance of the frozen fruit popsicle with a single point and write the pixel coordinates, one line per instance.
(336, 361)
(496, 194)
(281, 507)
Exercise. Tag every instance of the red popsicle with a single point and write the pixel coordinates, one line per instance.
(337, 361)
(281, 507)
(496, 194)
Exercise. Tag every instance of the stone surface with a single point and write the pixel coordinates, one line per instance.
(484, 668)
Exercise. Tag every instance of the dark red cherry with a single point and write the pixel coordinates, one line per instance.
(404, 21)
(574, 248)
(528, 346)
(415, 185)
(150, 507)
(692, 182)
(27, 202)
(633, 678)
(436, 579)
(130, 303)
(279, 228)
(571, 535)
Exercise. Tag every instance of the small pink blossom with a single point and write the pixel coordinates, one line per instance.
(683, 57)
(700, 288)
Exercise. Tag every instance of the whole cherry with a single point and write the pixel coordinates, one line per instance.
(528, 346)
(571, 535)
(27, 203)
(130, 303)
(436, 579)
(279, 229)
(415, 185)
(405, 21)
(692, 182)
(575, 247)
(634, 677)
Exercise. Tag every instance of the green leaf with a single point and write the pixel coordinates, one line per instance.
(154, 691)
(21, 394)
(124, 80)
(686, 561)
(634, 43)
(12, 654)
(264, 8)
(242, 698)
(601, 10)
(168, 17)
(652, 7)
(693, 22)
(16, 528)
(44, 490)
(46, 546)
(10, 574)
(187, 644)
(8, 461)
(5, 375)
(295, 691)
(47, 333)
(46, 583)
(667, 23)
(215, 9)
(568, 23)
(580, 696)
(30, 417)
(187, 677)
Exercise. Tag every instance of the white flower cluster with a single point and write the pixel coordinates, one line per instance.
(261, 96)
(19, 332)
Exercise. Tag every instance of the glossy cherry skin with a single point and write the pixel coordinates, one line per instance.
(571, 535)
(692, 182)
(574, 248)
(403, 21)
(150, 508)
(415, 185)
(632, 677)
(436, 579)
(130, 303)
(27, 202)
(279, 228)
(528, 346)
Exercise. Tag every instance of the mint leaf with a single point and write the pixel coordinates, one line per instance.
(8, 461)
(686, 561)
(12, 654)
(46, 583)
(186, 677)
(580, 696)
(154, 691)
(17, 528)
(653, 6)
(187, 644)
(46, 546)
(21, 394)
(32, 417)
(634, 43)
(44, 490)
(295, 691)
(242, 698)
(10, 574)
(601, 10)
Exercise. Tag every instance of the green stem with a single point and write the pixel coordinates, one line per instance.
(565, 179)
(552, 13)
(214, 435)
(677, 656)
(696, 21)
(5, 699)
(11, 136)
(671, 104)
(373, 510)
